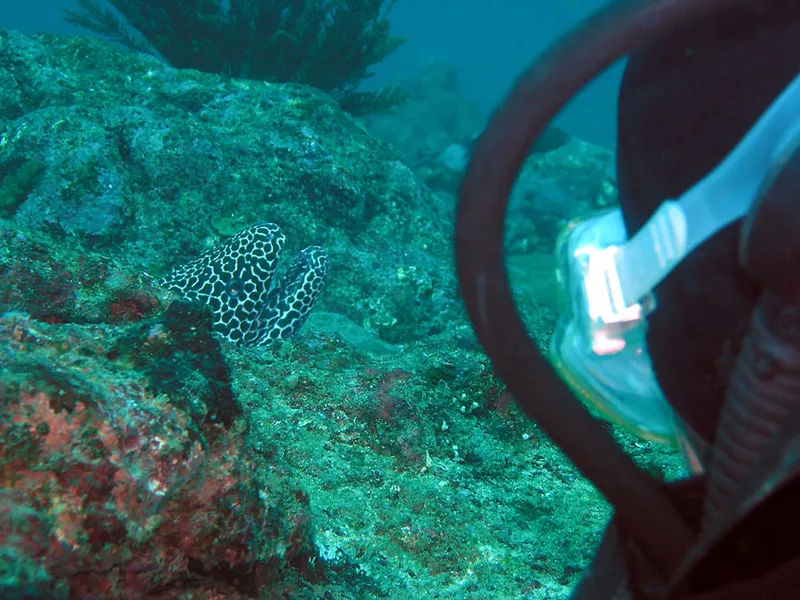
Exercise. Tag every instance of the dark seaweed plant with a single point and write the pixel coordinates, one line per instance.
(327, 44)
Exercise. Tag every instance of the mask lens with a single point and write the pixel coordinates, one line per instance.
(620, 386)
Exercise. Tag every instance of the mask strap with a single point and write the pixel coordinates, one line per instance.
(724, 195)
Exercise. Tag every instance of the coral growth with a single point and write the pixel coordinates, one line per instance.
(106, 488)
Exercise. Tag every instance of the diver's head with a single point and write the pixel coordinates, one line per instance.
(686, 101)
(693, 153)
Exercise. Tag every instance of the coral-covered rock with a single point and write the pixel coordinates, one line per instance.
(148, 165)
(64, 283)
(109, 488)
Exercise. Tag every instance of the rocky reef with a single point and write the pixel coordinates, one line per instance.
(435, 129)
(372, 455)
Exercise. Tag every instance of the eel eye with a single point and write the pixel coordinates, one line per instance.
(235, 287)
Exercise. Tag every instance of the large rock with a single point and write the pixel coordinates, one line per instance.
(123, 470)
(118, 156)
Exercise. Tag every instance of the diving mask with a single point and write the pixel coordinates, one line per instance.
(607, 280)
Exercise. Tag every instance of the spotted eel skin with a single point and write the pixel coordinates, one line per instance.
(237, 281)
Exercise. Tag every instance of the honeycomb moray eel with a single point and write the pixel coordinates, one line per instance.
(237, 281)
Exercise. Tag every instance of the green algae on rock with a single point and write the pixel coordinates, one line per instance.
(142, 158)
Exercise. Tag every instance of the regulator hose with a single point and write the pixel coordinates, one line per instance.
(643, 512)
